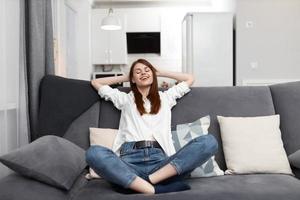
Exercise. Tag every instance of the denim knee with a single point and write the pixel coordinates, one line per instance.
(95, 152)
(211, 143)
(90, 154)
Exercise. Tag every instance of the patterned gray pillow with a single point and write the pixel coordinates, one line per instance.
(186, 132)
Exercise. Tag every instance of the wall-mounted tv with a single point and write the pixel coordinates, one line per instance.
(143, 42)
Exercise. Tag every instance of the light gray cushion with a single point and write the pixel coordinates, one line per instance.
(49, 159)
(253, 145)
(294, 159)
(188, 131)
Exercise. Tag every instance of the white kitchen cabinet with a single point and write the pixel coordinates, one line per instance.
(108, 47)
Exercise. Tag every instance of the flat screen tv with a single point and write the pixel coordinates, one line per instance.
(143, 42)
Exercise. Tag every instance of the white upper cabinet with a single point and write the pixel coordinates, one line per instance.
(108, 47)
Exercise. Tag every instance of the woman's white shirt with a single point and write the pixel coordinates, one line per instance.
(134, 127)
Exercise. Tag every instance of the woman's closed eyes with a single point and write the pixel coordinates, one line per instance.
(138, 71)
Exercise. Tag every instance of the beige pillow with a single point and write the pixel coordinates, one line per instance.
(104, 137)
(253, 145)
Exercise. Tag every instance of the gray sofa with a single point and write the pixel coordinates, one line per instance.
(68, 107)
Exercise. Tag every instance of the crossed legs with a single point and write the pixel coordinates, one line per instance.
(192, 155)
(113, 169)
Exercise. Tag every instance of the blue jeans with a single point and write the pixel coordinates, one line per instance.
(143, 162)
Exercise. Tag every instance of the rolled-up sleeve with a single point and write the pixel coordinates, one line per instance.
(176, 91)
(118, 98)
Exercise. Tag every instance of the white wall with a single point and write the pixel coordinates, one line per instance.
(84, 42)
(81, 67)
(9, 76)
(269, 50)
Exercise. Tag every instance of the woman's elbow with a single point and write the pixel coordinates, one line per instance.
(93, 82)
(191, 80)
(96, 84)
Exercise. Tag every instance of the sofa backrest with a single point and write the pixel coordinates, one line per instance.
(201, 101)
(68, 107)
(286, 99)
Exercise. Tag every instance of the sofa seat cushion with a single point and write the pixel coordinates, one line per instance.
(15, 187)
(227, 187)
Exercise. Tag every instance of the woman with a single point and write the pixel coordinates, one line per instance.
(143, 157)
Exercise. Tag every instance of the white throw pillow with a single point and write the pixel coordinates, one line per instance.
(253, 145)
(104, 137)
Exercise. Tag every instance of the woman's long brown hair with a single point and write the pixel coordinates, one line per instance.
(153, 95)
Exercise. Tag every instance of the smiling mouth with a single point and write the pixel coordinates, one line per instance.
(144, 78)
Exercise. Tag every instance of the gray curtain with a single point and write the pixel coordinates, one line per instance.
(38, 58)
(23, 117)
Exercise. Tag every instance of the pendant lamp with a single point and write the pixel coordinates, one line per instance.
(110, 22)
